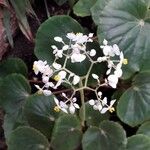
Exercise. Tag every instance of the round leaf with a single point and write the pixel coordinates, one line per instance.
(109, 135)
(12, 121)
(39, 111)
(67, 133)
(12, 65)
(26, 138)
(97, 9)
(144, 129)
(13, 92)
(82, 7)
(138, 142)
(93, 117)
(127, 23)
(134, 105)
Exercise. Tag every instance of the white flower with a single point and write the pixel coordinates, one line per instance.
(110, 108)
(59, 78)
(49, 84)
(77, 57)
(45, 79)
(118, 72)
(58, 39)
(76, 80)
(116, 49)
(101, 59)
(112, 80)
(92, 52)
(110, 50)
(47, 92)
(62, 74)
(39, 66)
(95, 76)
(71, 36)
(65, 47)
(73, 106)
(96, 104)
(60, 106)
(56, 66)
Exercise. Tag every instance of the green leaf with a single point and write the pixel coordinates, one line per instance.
(13, 92)
(82, 7)
(97, 9)
(127, 23)
(134, 104)
(12, 121)
(144, 129)
(27, 138)
(109, 135)
(20, 10)
(93, 117)
(13, 65)
(138, 142)
(57, 26)
(39, 111)
(67, 133)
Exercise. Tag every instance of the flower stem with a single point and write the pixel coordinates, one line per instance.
(83, 104)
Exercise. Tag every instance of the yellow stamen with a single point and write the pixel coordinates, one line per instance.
(125, 61)
(57, 78)
(34, 68)
(57, 109)
(112, 109)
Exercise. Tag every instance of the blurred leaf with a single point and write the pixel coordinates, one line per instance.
(109, 135)
(134, 105)
(13, 92)
(6, 22)
(39, 111)
(67, 133)
(13, 65)
(93, 117)
(144, 129)
(20, 9)
(82, 7)
(12, 121)
(27, 138)
(126, 23)
(138, 142)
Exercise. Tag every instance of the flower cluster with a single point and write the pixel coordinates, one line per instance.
(75, 50)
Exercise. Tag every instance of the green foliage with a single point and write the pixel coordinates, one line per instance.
(109, 135)
(13, 92)
(133, 106)
(39, 111)
(67, 133)
(13, 65)
(30, 120)
(126, 23)
(82, 7)
(144, 129)
(93, 117)
(27, 138)
(138, 142)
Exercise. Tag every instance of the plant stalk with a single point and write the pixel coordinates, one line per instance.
(83, 104)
